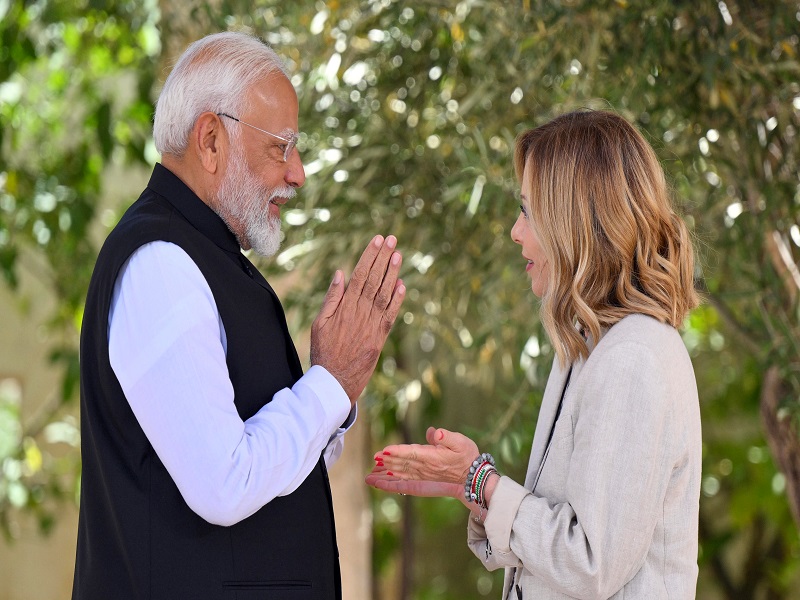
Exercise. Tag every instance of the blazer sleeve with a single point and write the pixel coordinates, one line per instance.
(594, 542)
(504, 511)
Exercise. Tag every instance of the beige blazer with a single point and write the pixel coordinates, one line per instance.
(614, 513)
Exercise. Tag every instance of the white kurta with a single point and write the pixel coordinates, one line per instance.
(167, 347)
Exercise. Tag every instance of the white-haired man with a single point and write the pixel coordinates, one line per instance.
(205, 447)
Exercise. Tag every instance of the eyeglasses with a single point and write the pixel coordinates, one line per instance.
(291, 141)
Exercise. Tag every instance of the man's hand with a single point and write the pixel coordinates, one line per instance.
(349, 333)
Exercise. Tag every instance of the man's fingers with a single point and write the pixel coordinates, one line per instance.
(384, 295)
(378, 271)
(362, 269)
(390, 314)
(350, 344)
(332, 297)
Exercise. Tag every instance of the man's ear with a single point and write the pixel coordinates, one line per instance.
(207, 135)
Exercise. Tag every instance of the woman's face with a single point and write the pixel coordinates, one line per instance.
(522, 233)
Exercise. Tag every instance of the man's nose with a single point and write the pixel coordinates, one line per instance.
(295, 173)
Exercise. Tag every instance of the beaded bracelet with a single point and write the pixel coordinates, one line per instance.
(480, 475)
(480, 491)
(471, 488)
(481, 478)
(474, 469)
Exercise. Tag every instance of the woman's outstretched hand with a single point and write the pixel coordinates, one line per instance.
(437, 469)
(411, 487)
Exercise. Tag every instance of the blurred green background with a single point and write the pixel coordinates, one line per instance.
(409, 112)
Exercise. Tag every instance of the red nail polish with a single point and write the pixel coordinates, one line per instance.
(385, 453)
(380, 464)
(390, 473)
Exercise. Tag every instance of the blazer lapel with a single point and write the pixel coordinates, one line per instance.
(547, 413)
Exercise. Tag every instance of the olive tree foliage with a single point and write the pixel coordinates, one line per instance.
(63, 121)
(410, 111)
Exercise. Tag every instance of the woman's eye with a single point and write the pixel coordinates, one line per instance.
(523, 211)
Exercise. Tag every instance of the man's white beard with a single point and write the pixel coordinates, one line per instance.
(242, 200)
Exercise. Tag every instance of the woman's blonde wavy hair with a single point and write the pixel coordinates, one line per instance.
(599, 205)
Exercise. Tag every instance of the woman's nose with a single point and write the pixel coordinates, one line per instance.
(516, 230)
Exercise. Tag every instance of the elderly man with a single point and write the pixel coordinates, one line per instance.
(205, 447)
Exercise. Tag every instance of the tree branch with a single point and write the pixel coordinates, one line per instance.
(746, 336)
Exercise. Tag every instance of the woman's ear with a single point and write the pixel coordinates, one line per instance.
(208, 140)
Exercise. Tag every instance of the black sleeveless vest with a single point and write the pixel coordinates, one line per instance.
(137, 538)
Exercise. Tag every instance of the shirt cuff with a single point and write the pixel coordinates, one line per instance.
(503, 507)
(350, 421)
(330, 394)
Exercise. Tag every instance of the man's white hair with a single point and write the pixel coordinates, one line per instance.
(213, 74)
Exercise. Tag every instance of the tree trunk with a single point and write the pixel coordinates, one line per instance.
(782, 435)
(353, 513)
(780, 428)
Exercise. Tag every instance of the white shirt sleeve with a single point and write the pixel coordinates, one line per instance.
(335, 445)
(167, 347)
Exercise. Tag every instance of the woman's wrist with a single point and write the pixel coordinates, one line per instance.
(479, 486)
(491, 484)
(480, 511)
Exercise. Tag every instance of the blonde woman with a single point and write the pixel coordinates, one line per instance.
(609, 507)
